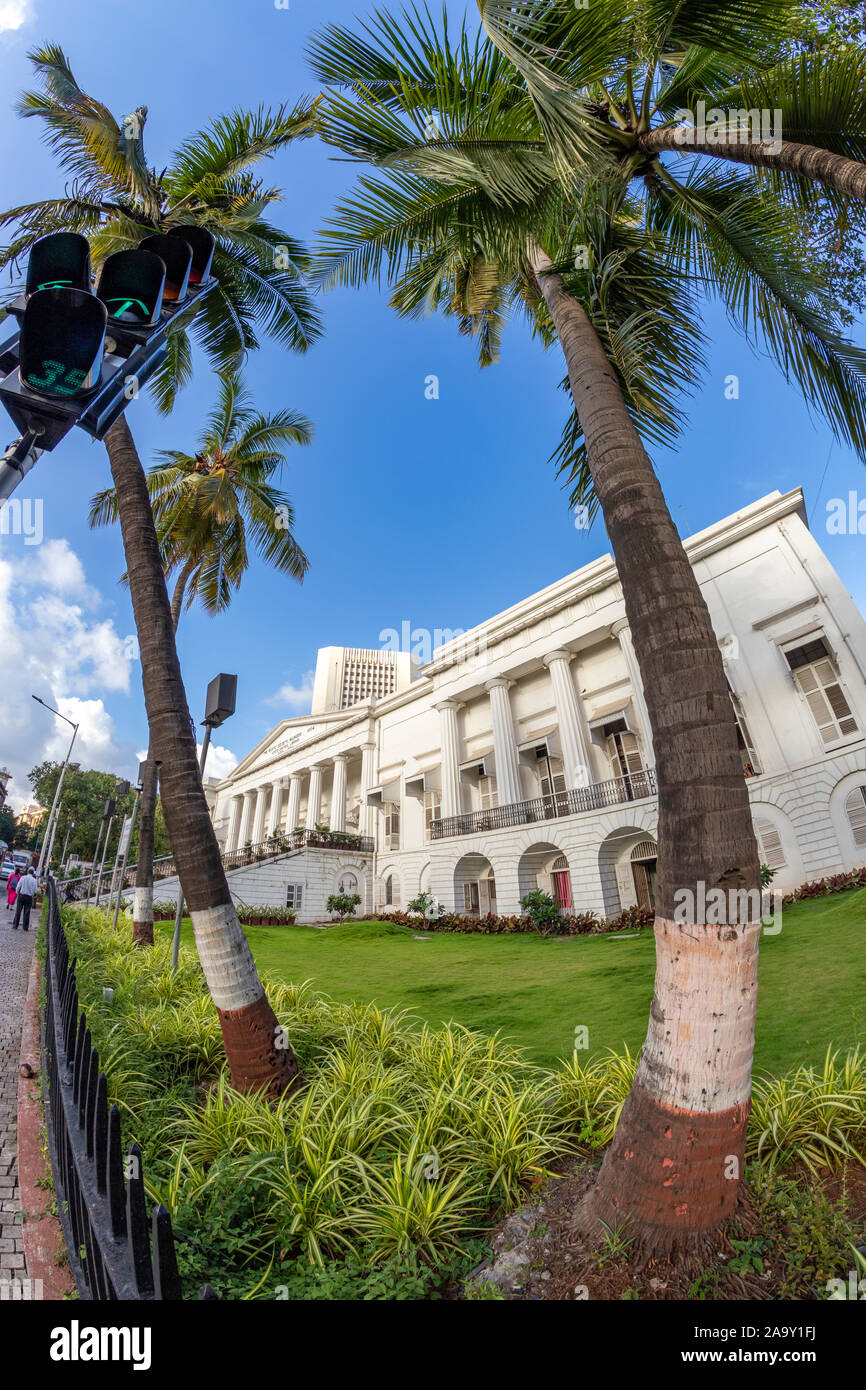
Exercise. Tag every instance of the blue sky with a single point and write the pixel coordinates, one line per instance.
(434, 512)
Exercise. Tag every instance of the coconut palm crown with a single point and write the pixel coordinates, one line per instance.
(116, 198)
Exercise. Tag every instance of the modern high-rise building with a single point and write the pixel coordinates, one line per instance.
(347, 676)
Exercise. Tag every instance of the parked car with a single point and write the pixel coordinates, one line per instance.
(6, 869)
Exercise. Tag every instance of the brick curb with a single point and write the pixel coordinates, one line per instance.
(41, 1232)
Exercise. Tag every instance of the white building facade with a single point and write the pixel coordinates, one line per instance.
(520, 756)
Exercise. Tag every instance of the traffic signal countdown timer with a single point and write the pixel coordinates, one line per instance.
(76, 352)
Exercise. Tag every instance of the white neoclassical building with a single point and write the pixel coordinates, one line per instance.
(520, 755)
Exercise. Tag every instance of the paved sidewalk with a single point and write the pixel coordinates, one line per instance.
(16, 950)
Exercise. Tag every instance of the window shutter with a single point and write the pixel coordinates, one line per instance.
(826, 700)
(856, 809)
(770, 844)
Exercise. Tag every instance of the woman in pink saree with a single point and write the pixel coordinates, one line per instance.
(12, 889)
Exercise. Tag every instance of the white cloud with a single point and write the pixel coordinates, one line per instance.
(297, 697)
(220, 761)
(54, 645)
(14, 13)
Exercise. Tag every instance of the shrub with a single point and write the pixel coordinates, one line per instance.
(542, 910)
(836, 883)
(342, 905)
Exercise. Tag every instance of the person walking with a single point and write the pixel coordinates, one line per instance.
(12, 889)
(28, 887)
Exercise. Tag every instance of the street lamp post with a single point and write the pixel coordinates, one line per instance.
(121, 789)
(132, 820)
(69, 831)
(48, 840)
(104, 829)
(219, 706)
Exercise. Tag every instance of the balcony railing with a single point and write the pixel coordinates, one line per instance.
(571, 803)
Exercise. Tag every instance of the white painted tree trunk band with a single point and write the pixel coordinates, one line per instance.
(226, 958)
(698, 1051)
(142, 905)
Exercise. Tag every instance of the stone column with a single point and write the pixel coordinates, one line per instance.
(368, 777)
(259, 818)
(276, 807)
(233, 836)
(448, 740)
(622, 632)
(246, 819)
(293, 810)
(507, 771)
(573, 730)
(338, 794)
(314, 797)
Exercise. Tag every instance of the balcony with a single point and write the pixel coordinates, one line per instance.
(572, 803)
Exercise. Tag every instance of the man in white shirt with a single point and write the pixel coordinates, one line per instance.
(28, 887)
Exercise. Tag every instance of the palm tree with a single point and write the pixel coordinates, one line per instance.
(116, 198)
(207, 507)
(477, 215)
(625, 79)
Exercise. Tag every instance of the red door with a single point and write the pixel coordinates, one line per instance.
(562, 890)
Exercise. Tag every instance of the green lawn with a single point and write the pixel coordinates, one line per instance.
(812, 980)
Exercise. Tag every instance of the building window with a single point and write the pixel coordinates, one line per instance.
(294, 894)
(489, 794)
(855, 807)
(818, 680)
(432, 810)
(389, 891)
(751, 766)
(471, 899)
(392, 825)
(625, 759)
(770, 845)
(552, 779)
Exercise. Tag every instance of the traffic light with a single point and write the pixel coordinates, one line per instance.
(59, 261)
(203, 247)
(61, 344)
(79, 358)
(131, 286)
(177, 254)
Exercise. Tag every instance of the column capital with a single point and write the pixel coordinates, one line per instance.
(340, 758)
(447, 705)
(561, 654)
(497, 683)
(621, 625)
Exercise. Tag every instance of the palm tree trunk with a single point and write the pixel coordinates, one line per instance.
(258, 1052)
(142, 913)
(673, 1168)
(179, 594)
(846, 176)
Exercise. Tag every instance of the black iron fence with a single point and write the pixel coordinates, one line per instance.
(569, 803)
(114, 1251)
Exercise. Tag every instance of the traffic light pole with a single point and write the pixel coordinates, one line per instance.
(16, 463)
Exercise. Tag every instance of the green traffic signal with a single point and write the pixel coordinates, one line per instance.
(59, 261)
(131, 286)
(61, 344)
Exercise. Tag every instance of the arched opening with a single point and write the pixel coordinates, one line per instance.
(627, 881)
(474, 886)
(644, 868)
(544, 866)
